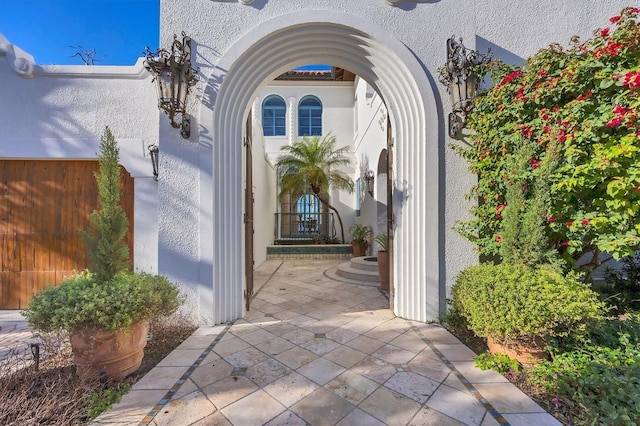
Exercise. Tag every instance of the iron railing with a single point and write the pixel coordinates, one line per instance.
(308, 226)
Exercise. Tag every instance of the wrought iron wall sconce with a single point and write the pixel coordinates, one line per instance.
(462, 83)
(174, 77)
(369, 179)
(154, 152)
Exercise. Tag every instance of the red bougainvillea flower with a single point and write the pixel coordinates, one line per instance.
(534, 163)
(619, 109)
(614, 122)
(632, 79)
(498, 238)
(585, 222)
(510, 77)
(551, 219)
(564, 243)
(615, 19)
(604, 32)
(569, 224)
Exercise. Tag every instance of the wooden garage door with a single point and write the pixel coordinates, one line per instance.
(43, 205)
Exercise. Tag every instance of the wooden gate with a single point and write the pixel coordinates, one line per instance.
(43, 205)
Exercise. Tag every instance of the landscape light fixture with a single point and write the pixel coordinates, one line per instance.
(462, 83)
(174, 76)
(369, 179)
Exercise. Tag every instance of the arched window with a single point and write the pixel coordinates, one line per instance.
(310, 117)
(274, 111)
(308, 210)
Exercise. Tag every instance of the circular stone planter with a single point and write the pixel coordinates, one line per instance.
(114, 353)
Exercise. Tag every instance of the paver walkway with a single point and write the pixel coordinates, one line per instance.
(320, 352)
(15, 338)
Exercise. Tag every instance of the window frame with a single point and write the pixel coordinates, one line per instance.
(309, 129)
(274, 109)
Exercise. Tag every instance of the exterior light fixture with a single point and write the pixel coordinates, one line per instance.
(462, 83)
(154, 152)
(369, 178)
(174, 76)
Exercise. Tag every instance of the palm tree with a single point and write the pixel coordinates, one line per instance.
(315, 164)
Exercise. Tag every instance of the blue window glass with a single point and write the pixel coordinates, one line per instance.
(273, 116)
(310, 117)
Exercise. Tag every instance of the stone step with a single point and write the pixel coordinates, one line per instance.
(346, 270)
(363, 264)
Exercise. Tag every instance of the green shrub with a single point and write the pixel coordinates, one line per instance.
(602, 374)
(498, 362)
(514, 302)
(101, 401)
(83, 302)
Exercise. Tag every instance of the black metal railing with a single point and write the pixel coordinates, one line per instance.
(308, 226)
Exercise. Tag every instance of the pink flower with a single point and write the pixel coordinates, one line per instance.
(498, 238)
(556, 402)
(564, 243)
(614, 122)
(551, 219)
(619, 109)
(585, 222)
(556, 109)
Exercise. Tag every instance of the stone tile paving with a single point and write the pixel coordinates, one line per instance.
(319, 352)
(15, 338)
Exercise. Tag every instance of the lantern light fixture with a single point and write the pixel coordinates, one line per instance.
(174, 77)
(369, 179)
(461, 81)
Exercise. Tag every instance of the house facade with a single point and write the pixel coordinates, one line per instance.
(189, 225)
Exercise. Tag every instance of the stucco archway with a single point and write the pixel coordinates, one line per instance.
(321, 36)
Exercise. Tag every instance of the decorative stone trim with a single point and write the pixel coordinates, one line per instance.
(21, 62)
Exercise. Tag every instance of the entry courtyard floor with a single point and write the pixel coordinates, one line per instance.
(316, 351)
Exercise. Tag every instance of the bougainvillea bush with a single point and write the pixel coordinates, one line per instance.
(579, 105)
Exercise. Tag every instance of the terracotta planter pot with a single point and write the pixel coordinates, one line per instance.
(526, 354)
(383, 270)
(359, 248)
(117, 354)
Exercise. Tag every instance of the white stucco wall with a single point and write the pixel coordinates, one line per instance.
(370, 138)
(265, 193)
(49, 112)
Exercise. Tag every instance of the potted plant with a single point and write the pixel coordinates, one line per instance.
(519, 308)
(360, 237)
(383, 260)
(106, 309)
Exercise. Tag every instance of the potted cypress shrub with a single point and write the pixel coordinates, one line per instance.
(360, 236)
(105, 309)
(383, 260)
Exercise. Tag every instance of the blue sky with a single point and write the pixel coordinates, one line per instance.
(118, 30)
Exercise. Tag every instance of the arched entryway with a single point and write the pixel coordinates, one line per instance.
(362, 47)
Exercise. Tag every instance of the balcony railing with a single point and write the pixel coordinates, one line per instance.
(296, 227)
